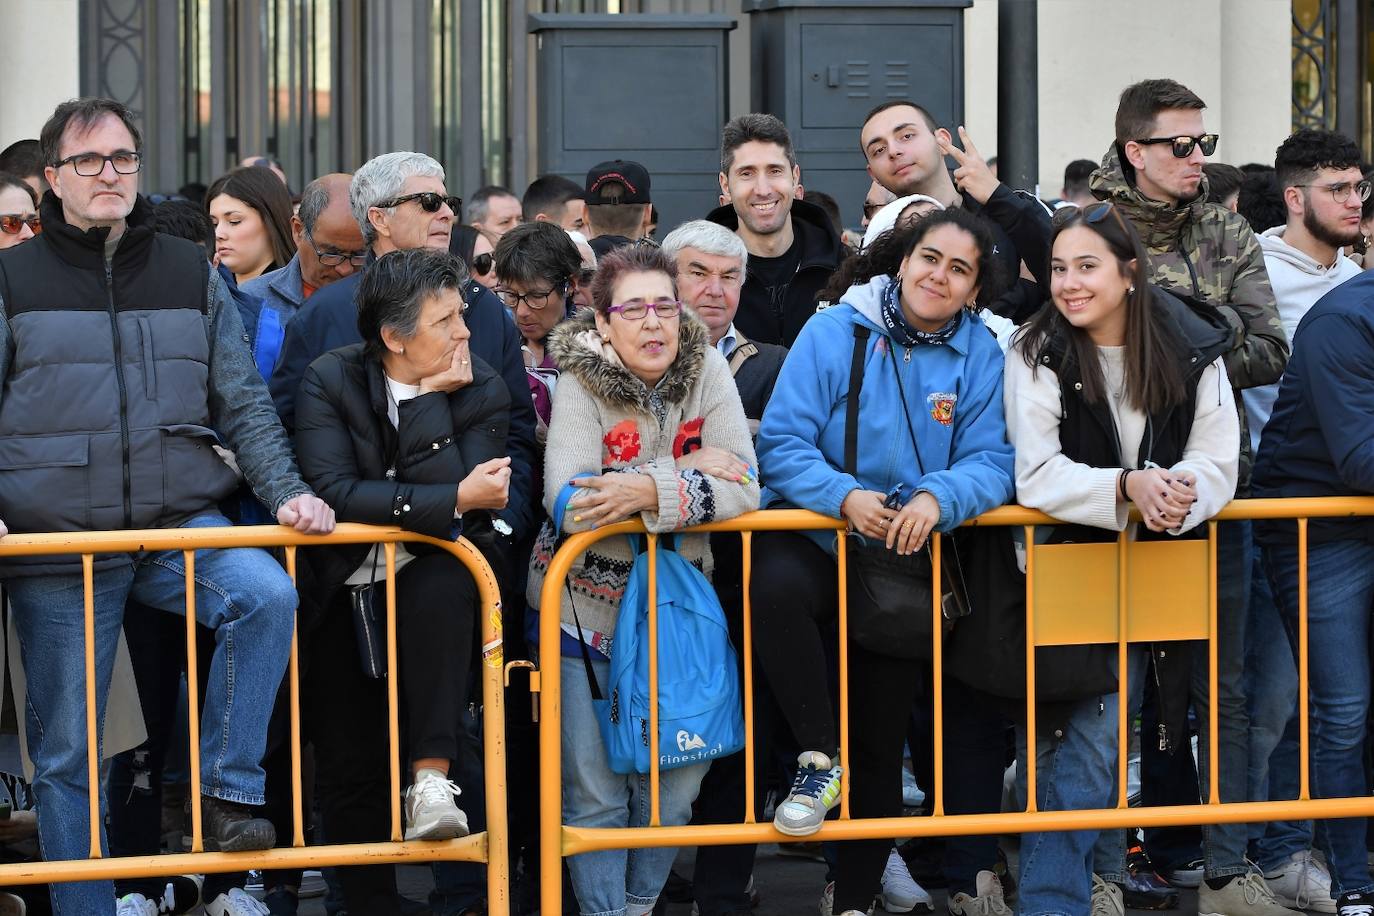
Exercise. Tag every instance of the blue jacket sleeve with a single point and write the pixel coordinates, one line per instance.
(1340, 391)
(813, 378)
(981, 468)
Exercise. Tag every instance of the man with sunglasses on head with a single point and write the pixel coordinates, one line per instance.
(122, 362)
(1203, 253)
(329, 247)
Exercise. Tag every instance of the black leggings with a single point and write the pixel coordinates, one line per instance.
(794, 594)
(345, 712)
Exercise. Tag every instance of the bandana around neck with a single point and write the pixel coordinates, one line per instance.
(903, 333)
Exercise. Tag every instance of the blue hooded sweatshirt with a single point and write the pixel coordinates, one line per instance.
(954, 393)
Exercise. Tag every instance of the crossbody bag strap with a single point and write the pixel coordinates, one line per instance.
(851, 410)
(560, 508)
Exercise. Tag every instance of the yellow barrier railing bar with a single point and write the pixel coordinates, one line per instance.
(393, 724)
(1123, 694)
(558, 840)
(937, 667)
(747, 565)
(653, 682)
(843, 553)
(489, 847)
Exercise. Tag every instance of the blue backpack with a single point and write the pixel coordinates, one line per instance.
(700, 713)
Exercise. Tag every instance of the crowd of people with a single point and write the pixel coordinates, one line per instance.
(1169, 334)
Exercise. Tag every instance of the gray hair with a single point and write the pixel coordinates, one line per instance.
(708, 238)
(382, 179)
(314, 200)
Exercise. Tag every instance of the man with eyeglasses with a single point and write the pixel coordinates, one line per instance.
(1204, 253)
(123, 364)
(1324, 193)
(329, 247)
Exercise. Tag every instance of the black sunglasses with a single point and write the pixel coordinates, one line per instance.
(429, 202)
(1183, 146)
(482, 264)
(1092, 213)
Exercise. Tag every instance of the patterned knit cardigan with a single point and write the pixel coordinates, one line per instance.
(607, 420)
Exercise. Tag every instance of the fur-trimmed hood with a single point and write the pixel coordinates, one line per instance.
(577, 348)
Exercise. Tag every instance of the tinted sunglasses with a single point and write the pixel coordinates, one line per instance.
(482, 264)
(428, 200)
(1183, 146)
(13, 223)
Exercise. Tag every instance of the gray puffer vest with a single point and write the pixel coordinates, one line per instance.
(105, 418)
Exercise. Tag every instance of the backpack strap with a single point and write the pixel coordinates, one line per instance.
(851, 413)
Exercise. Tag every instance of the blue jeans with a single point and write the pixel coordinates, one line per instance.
(1340, 596)
(1271, 688)
(593, 796)
(1075, 770)
(244, 595)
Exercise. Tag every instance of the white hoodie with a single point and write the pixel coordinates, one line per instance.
(1298, 281)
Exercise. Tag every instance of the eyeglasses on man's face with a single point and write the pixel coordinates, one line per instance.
(1340, 193)
(429, 201)
(89, 165)
(1182, 147)
(335, 258)
(638, 309)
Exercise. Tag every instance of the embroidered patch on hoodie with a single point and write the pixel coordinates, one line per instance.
(942, 406)
(688, 438)
(622, 444)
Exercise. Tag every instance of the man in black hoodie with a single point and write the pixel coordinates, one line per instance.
(793, 247)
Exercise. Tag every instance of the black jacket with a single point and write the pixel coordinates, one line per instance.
(377, 474)
(329, 320)
(821, 252)
(1021, 231)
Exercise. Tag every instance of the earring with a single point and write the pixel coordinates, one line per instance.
(605, 338)
(1131, 291)
(402, 350)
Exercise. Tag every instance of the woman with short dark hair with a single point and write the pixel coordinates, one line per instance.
(406, 428)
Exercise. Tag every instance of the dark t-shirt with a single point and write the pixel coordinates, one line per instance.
(775, 274)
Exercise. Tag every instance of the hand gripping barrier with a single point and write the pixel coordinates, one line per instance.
(489, 847)
(1120, 593)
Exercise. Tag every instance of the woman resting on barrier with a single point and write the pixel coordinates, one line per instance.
(1116, 397)
(408, 429)
(647, 422)
(920, 447)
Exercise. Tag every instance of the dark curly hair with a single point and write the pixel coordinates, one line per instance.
(1261, 201)
(888, 251)
(1298, 159)
(628, 259)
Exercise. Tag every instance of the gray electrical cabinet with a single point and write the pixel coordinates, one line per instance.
(821, 66)
(652, 88)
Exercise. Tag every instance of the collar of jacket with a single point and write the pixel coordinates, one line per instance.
(289, 282)
(617, 385)
(87, 249)
(1160, 225)
(821, 245)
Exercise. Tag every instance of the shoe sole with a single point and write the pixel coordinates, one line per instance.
(447, 827)
(919, 906)
(1141, 902)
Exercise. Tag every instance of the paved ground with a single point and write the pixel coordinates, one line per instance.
(789, 887)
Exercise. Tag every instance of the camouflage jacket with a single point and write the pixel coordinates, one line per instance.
(1207, 253)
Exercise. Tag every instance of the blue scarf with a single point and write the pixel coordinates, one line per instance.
(902, 333)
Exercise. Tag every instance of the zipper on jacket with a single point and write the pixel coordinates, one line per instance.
(123, 393)
(1192, 271)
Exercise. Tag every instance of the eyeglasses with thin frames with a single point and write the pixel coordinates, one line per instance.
(335, 258)
(89, 165)
(1183, 146)
(537, 301)
(1340, 193)
(638, 309)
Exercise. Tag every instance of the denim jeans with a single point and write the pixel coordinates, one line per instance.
(608, 882)
(1075, 770)
(1271, 688)
(243, 595)
(1340, 595)
(1109, 851)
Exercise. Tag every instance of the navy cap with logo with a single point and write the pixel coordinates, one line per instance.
(620, 181)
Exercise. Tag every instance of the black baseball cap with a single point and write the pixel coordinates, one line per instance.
(619, 181)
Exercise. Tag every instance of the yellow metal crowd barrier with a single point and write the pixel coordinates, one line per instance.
(1075, 594)
(489, 847)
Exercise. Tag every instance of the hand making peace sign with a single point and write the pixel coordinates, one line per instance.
(973, 175)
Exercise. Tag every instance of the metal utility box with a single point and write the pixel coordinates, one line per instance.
(652, 88)
(821, 66)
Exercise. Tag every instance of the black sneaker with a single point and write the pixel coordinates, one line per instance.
(231, 827)
(1143, 888)
(1355, 905)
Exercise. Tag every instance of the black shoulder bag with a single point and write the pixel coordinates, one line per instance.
(889, 594)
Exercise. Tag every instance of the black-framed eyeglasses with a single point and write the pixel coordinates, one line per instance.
(871, 210)
(429, 201)
(483, 263)
(89, 165)
(1183, 146)
(638, 309)
(335, 258)
(537, 300)
(13, 223)
(1340, 193)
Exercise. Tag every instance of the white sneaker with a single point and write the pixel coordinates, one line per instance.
(1302, 882)
(236, 903)
(828, 904)
(135, 905)
(1107, 899)
(989, 901)
(901, 893)
(1246, 895)
(430, 810)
